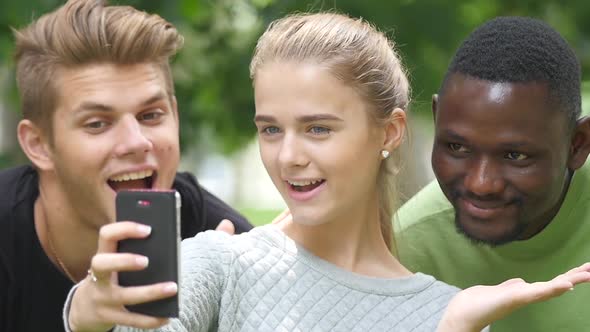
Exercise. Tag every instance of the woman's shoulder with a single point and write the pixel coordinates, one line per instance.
(433, 283)
(220, 244)
(436, 290)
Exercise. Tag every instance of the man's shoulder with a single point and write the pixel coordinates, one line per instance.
(428, 206)
(13, 183)
(16, 185)
(10, 177)
(583, 173)
(15, 228)
(201, 210)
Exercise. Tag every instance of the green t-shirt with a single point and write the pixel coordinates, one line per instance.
(426, 241)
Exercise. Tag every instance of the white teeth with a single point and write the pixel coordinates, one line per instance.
(303, 183)
(132, 176)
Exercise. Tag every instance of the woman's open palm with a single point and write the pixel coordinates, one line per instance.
(479, 306)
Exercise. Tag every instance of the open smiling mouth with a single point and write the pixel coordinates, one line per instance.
(305, 186)
(133, 180)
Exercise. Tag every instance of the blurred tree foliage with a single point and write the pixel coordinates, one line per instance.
(427, 32)
(211, 73)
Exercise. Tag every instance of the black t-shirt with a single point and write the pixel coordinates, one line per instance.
(32, 289)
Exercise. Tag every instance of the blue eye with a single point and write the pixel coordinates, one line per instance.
(151, 116)
(271, 130)
(96, 125)
(319, 130)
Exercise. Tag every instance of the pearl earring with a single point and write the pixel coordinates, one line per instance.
(384, 154)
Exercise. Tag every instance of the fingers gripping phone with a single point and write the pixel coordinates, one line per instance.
(161, 211)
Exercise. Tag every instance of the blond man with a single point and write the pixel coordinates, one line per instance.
(99, 115)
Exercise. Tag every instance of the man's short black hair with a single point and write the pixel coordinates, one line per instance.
(521, 50)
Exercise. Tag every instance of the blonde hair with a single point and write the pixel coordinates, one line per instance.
(359, 55)
(83, 32)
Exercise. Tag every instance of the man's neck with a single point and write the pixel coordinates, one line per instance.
(67, 241)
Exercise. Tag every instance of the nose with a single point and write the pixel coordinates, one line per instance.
(131, 138)
(292, 152)
(484, 177)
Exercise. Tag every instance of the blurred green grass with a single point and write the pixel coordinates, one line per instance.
(259, 217)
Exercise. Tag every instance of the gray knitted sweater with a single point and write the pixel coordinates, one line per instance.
(264, 281)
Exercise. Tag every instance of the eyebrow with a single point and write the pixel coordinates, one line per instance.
(155, 98)
(449, 134)
(524, 145)
(516, 145)
(304, 118)
(89, 106)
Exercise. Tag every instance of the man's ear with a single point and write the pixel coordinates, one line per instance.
(580, 144)
(34, 144)
(434, 105)
(395, 129)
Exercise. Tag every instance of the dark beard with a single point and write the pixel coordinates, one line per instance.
(514, 235)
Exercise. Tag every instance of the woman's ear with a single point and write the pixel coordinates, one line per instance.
(395, 130)
(580, 144)
(34, 144)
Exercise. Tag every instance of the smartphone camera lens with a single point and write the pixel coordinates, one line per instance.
(143, 203)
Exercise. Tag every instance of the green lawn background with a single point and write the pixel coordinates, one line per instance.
(259, 217)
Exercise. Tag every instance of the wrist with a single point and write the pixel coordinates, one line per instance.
(453, 323)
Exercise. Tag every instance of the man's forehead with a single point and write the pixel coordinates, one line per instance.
(111, 72)
(499, 91)
(111, 85)
(459, 83)
(513, 110)
(506, 98)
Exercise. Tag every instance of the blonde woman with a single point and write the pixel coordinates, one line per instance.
(331, 96)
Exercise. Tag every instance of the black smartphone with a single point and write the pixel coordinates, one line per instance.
(161, 211)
